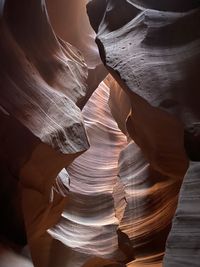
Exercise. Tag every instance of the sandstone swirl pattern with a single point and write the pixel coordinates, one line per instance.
(42, 79)
(89, 223)
(152, 49)
(118, 198)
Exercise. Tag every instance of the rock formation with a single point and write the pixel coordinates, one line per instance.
(71, 24)
(42, 79)
(99, 187)
(88, 225)
(9, 258)
(156, 62)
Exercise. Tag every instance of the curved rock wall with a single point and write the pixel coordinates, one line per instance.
(156, 62)
(88, 224)
(42, 80)
(113, 205)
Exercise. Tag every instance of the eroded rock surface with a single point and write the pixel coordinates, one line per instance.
(42, 79)
(111, 215)
(70, 22)
(151, 202)
(8, 258)
(156, 62)
(155, 72)
(183, 243)
(88, 226)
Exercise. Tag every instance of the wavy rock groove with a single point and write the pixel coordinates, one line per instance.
(156, 62)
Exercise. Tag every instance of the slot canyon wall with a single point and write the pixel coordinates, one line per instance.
(99, 142)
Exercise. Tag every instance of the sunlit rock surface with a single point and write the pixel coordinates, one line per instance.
(156, 62)
(42, 80)
(117, 199)
(131, 49)
(151, 202)
(70, 22)
(140, 202)
(119, 104)
(8, 258)
(89, 223)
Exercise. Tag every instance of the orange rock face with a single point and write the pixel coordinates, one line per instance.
(91, 166)
(42, 80)
(155, 61)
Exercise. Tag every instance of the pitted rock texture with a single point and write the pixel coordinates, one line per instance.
(113, 205)
(156, 63)
(157, 72)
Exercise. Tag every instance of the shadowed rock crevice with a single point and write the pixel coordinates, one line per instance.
(156, 63)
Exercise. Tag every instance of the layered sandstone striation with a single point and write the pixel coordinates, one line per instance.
(89, 223)
(70, 23)
(99, 187)
(42, 80)
(156, 62)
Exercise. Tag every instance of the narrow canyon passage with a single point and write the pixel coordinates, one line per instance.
(99, 133)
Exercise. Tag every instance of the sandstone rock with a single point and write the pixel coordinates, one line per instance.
(151, 202)
(111, 215)
(42, 80)
(70, 23)
(88, 225)
(8, 258)
(182, 247)
(119, 104)
(146, 51)
(156, 62)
